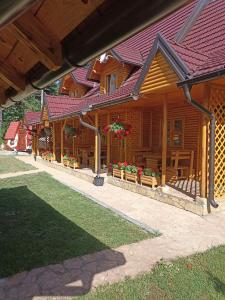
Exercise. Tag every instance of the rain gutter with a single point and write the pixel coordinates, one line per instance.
(98, 180)
(211, 116)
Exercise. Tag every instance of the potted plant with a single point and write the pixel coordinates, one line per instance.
(47, 131)
(49, 156)
(119, 129)
(131, 173)
(73, 162)
(118, 169)
(150, 177)
(69, 130)
(66, 160)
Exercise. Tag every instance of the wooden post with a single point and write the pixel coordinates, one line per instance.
(203, 189)
(108, 141)
(96, 142)
(37, 141)
(73, 138)
(63, 123)
(53, 142)
(164, 141)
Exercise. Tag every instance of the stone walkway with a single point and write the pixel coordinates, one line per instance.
(19, 173)
(183, 233)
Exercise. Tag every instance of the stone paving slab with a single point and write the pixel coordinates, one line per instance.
(19, 173)
(183, 234)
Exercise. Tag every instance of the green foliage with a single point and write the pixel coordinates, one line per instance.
(131, 169)
(32, 103)
(150, 172)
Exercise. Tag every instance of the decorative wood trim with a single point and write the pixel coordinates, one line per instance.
(11, 76)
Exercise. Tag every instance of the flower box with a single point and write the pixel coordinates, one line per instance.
(131, 176)
(74, 164)
(150, 180)
(66, 162)
(118, 173)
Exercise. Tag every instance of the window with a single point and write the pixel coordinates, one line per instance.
(175, 133)
(111, 83)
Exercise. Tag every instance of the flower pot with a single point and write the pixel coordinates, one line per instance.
(150, 180)
(118, 173)
(74, 165)
(66, 162)
(131, 176)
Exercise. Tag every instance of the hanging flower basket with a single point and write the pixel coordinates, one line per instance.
(47, 131)
(69, 130)
(119, 129)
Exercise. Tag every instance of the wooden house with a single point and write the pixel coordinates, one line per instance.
(167, 83)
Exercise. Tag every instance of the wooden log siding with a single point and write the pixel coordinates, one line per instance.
(192, 128)
(113, 67)
(160, 75)
(77, 90)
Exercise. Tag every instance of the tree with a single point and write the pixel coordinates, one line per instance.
(32, 103)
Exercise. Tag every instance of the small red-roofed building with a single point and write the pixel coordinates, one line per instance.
(16, 137)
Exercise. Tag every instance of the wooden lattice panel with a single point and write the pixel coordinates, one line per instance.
(217, 105)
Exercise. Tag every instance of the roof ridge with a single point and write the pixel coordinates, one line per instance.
(188, 24)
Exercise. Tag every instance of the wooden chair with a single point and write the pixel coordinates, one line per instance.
(181, 165)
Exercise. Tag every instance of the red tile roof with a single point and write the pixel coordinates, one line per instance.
(12, 130)
(59, 105)
(32, 118)
(128, 55)
(202, 50)
(80, 76)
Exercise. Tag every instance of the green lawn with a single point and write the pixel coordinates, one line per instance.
(44, 222)
(11, 164)
(201, 277)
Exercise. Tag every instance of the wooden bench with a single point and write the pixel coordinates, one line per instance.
(181, 165)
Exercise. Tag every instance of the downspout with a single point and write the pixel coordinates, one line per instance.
(98, 180)
(211, 116)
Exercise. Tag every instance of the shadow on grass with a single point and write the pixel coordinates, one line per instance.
(219, 285)
(34, 234)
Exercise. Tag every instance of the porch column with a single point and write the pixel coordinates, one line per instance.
(63, 123)
(96, 143)
(164, 141)
(33, 144)
(204, 153)
(53, 142)
(37, 141)
(73, 138)
(108, 141)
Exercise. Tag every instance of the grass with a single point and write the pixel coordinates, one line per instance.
(11, 164)
(44, 222)
(201, 277)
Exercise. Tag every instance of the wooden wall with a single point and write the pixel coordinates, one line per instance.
(113, 67)
(160, 75)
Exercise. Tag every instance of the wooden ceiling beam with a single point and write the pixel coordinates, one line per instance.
(30, 32)
(2, 96)
(11, 76)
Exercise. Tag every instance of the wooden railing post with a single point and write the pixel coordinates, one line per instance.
(53, 142)
(108, 141)
(164, 141)
(73, 138)
(63, 123)
(203, 189)
(96, 143)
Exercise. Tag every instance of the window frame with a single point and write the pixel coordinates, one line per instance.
(171, 132)
(107, 84)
